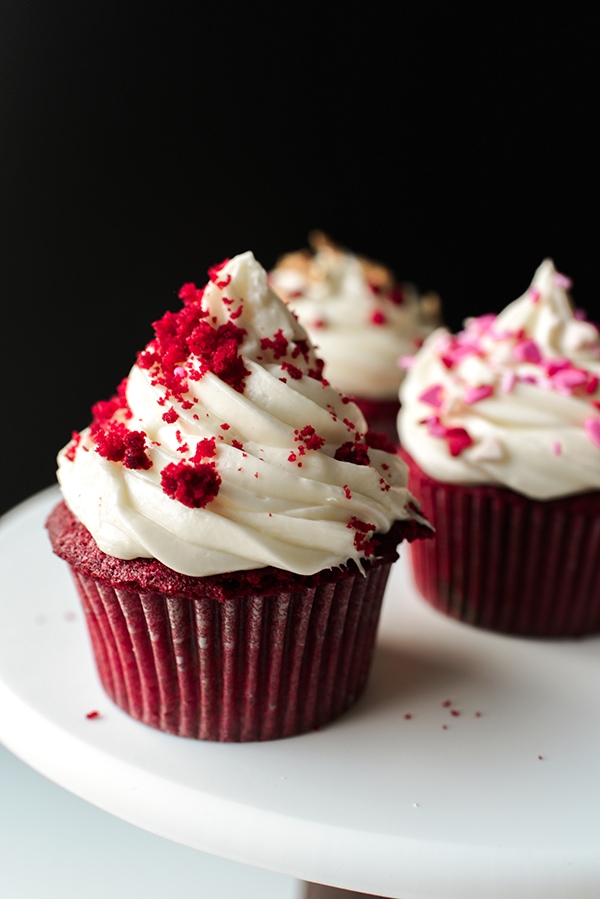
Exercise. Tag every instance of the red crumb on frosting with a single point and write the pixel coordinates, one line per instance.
(309, 438)
(170, 416)
(72, 448)
(213, 274)
(293, 371)
(378, 318)
(347, 491)
(278, 344)
(193, 484)
(205, 449)
(217, 349)
(353, 451)
(117, 443)
(92, 715)
(361, 537)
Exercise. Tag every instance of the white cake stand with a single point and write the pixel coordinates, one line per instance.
(470, 768)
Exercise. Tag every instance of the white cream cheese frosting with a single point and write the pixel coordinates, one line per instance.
(358, 317)
(512, 400)
(226, 450)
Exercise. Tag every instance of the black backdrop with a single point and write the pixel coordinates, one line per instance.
(143, 142)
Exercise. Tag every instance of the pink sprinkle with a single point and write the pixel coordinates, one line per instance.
(534, 294)
(508, 381)
(474, 394)
(433, 396)
(551, 366)
(527, 351)
(568, 378)
(459, 440)
(406, 362)
(562, 281)
(179, 371)
(483, 323)
(592, 429)
(557, 448)
(434, 426)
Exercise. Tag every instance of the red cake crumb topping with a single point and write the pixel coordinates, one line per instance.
(361, 537)
(278, 344)
(205, 449)
(193, 484)
(118, 444)
(213, 274)
(309, 437)
(353, 451)
(294, 372)
(72, 448)
(170, 416)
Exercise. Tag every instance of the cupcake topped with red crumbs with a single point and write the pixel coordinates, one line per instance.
(231, 515)
(500, 424)
(360, 318)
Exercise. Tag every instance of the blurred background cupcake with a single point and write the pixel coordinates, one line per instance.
(361, 319)
(500, 426)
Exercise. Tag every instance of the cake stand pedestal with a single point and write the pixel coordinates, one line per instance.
(468, 768)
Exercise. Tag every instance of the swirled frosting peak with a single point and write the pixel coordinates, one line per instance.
(225, 449)
(359, 317)
(511, 400)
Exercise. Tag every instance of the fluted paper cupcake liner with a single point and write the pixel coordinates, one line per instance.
(507, 563)
(249, 668)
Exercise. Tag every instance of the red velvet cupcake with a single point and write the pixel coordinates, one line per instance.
(229, 526)
(361, 320)
(500, 427)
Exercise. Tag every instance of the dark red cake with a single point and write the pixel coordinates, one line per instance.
(250, 655)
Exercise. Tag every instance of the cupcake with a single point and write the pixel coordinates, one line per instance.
(360, 319)
(500, 427)
(230, 523)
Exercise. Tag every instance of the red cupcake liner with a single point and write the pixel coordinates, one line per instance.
(507, 563)
(243, 669)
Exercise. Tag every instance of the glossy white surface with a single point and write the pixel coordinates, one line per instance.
(431, 806)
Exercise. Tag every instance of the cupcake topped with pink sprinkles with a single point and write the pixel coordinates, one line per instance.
(513, 399)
